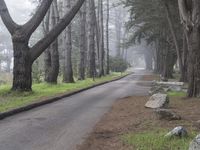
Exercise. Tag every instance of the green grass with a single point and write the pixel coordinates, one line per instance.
(155, 140)
(11, 100)
(176, 94)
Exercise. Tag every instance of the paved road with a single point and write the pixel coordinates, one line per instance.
(64, 124)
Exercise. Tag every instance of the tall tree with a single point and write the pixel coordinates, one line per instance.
(83, 43)
(24, 56)
(92, 28)
(51, 54)
(107, 39)
(101, 44)
(189, 12)
(67, 42)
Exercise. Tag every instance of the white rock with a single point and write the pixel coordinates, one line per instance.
(178, 131)
(158, 101)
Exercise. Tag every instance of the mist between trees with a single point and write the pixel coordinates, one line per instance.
(89, 38)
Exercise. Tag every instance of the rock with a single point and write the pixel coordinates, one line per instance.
(158, 101)
(177, 132)
(157, 89)
(170, 83)
(167, 114)
(175, 88)
(195, 144)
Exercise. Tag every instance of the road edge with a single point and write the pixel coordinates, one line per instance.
(54, 99)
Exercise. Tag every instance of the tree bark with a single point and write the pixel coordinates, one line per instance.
(92, 56)
(101, 44)
(22, 79)
(107, 40)
(83, 46)
(68, 71)
(51, 54)
(191, 21)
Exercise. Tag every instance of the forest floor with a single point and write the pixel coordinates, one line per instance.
(42, 91)
(131, 126)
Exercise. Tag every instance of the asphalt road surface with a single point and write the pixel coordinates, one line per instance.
(64, 124)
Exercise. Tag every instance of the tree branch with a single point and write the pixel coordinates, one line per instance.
(37, 18)
(43, 44)
(7, 19)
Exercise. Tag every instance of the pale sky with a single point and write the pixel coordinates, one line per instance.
(20, 10)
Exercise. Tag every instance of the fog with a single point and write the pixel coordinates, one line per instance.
(20, 10)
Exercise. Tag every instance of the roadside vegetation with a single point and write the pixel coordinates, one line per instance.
(12, 99)
(155, 140)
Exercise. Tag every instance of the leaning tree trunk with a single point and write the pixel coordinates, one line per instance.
(68, 71)
(83, 46)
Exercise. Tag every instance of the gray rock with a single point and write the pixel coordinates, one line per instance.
(175, 88)
(157, 89)
(177, 132)
(167, 114)
(195, 144)
(158, 101)
(170, 83)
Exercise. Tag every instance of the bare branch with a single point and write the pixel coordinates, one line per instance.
(40, 47)
(37, 18)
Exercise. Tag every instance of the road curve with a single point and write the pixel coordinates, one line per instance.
(64, 124)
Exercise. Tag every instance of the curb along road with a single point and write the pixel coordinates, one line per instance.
(51, 100)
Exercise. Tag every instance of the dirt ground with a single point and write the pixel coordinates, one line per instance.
(129, 115)
(150, 77)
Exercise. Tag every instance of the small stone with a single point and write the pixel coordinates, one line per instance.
(158, 101)
(195, 144)
(177, 132)
(167, 114)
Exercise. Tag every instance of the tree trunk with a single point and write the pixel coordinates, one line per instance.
(185, 59)
(191, 19)
(68, 71)
(83, 46)
(175, 40)
(107, 40)
(51, 54)
(92, 62)
(22, 77)
(102, 52)
(194, 63)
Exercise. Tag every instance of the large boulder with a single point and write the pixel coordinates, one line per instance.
(166, 114)
(158, 101)
(177, 132)
(195, 144)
